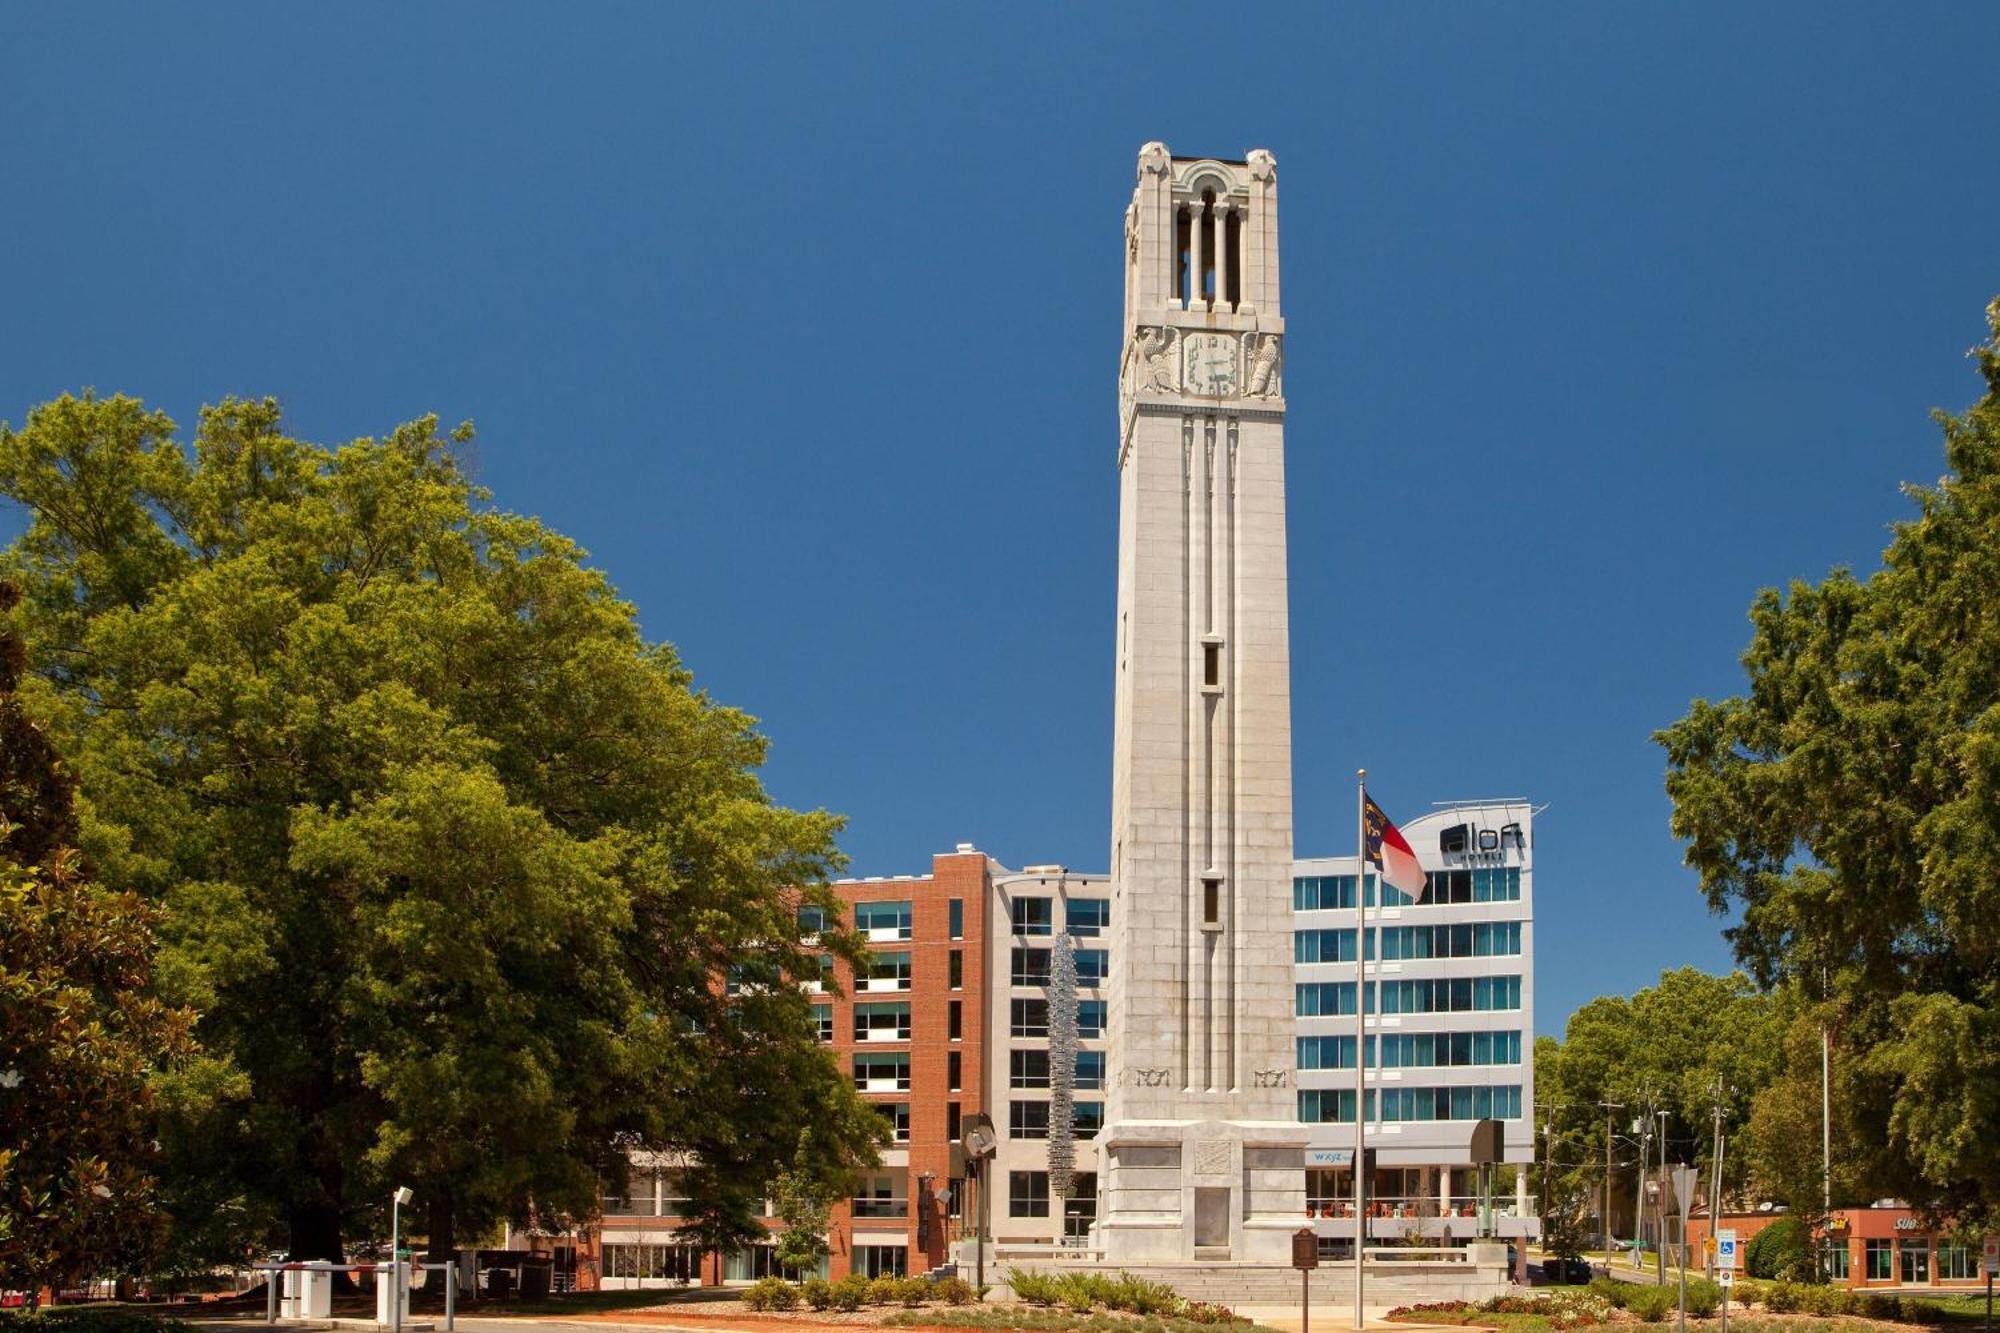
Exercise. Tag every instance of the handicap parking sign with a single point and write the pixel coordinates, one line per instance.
(1725, 1249)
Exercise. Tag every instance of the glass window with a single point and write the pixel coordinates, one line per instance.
(1088, 1117)
(1028, 1017)
(898, 1116)
(812, 919)
(881, 1260)
(1034, 916)
(654, 1263)
(1833, 1259)
(888, 971)
(882, 1073)
(883, 921)
(955, 909)
(1028, 1120)
(1027, 1194)
(1317, 893)
(1881, 1261)
(1092, 966)
(637, 1201)
(889, 1021)
(1091, 1017)
(1087, 918)
(1331, 1106)
(761, 1261)
(954, 1126)
(1030, 967)
(954, 1020)
(1322, 999)
(1080, 1208)
(823, 1022)
(1027, 1069)
(1090, 1069)
(956, 970)
(1955, 1263)
(954, 1068)
(1916, 1262)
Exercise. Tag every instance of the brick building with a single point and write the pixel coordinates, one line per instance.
(912, 1032)
(1887, 1247)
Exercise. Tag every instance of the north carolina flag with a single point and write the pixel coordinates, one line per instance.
(1389, 852)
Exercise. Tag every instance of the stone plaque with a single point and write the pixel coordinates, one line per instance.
(1211, 1159)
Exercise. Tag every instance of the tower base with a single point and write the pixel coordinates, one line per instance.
(1200, 1191)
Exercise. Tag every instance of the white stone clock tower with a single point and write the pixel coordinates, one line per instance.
(1203, 1154)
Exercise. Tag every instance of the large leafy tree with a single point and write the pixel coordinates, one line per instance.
(81, 1040)
(451, 860)
(1848, 805)
(1683, 1046)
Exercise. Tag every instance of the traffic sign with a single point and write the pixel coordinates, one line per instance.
(1992, 1256)
(1725, 1248)
(1725, 1278)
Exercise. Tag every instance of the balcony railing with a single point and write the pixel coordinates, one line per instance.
(881, 1207)
(1457, 1206)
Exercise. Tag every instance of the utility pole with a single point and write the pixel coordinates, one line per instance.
(1715, 1178)
(1609, 1107)
(1660, 1208)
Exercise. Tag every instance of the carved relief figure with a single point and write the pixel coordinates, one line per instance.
(1270, 1078)
(1149, 1078)
(1159, 367)
(1267, 355)
(1154, 159)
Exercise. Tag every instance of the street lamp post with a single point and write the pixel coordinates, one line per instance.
(402, 1196)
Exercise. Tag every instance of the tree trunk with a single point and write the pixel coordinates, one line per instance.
(315, 1233)
(442, 1217)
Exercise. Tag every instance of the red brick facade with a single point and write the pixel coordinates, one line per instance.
(920, 1168)
(1892, 1231)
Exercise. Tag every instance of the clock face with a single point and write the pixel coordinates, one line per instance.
(1211, 364)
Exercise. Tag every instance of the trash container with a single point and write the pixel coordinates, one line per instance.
(535, 1279)
(500, 1283)
(291, 1287)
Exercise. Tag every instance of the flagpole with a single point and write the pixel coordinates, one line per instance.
(1360, 1039)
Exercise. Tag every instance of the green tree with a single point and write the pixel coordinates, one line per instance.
(452, 861)
(1674, 1047)
(1848, 805)
(801, 1200)
(80, 1039)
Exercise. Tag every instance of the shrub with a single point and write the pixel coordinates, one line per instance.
(1781, 1249)
(1611, 1290)
(884, 1290)
(1032, 1287)
(1650, 1304)
(817, 1292)
(1823, 1301)
(1779, 1297)
(1142, 1297)
(913, 1291)
(850, 1292)
(770, 1293)
(1703, 1297)
(1202, 1312)
(89, 1319)
(956, 1291)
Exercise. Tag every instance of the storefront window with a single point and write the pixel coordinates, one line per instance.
(1916, 1262)
(1833, 1258)
(1955, 1263)
(1881, 1258)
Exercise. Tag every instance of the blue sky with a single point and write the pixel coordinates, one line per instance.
(805, 320)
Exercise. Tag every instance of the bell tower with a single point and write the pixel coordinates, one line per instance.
(1203, 1152)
